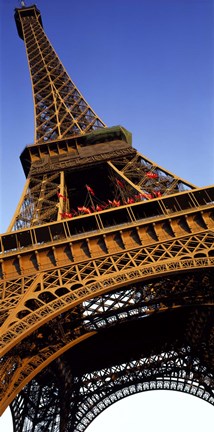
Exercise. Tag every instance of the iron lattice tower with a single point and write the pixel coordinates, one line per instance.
(106, 287)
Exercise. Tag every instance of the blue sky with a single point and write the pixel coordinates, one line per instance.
(145, 64)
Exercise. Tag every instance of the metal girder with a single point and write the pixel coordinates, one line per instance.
(45, 198)
(52, 293)
(106, 286)
(60, 109)
(162, 364)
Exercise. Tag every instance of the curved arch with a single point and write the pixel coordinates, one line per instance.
(164, 384)
(36, 362)
(128, 378)
(31, 321)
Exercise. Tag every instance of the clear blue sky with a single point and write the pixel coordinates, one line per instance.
(145, 64)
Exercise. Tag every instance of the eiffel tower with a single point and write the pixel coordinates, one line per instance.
(106, 267)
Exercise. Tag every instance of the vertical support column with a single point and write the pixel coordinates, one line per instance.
(62, 196)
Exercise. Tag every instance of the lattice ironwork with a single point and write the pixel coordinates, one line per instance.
(51, 197)
(101, 381)
(60, 109)
(106, 287)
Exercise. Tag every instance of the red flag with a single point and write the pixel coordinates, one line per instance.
(130, 200)
(66, 215)
(120, 183)
(145, 195)
(87, 210)
(142, 195)
(149, 196)
(116, 203)
(61, 196)
(84, 210)
(90, 190)
(103, 206)
(157, 193)
(151, 174)
(99, 208)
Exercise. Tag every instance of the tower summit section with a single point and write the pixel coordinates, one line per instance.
(60, 109)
